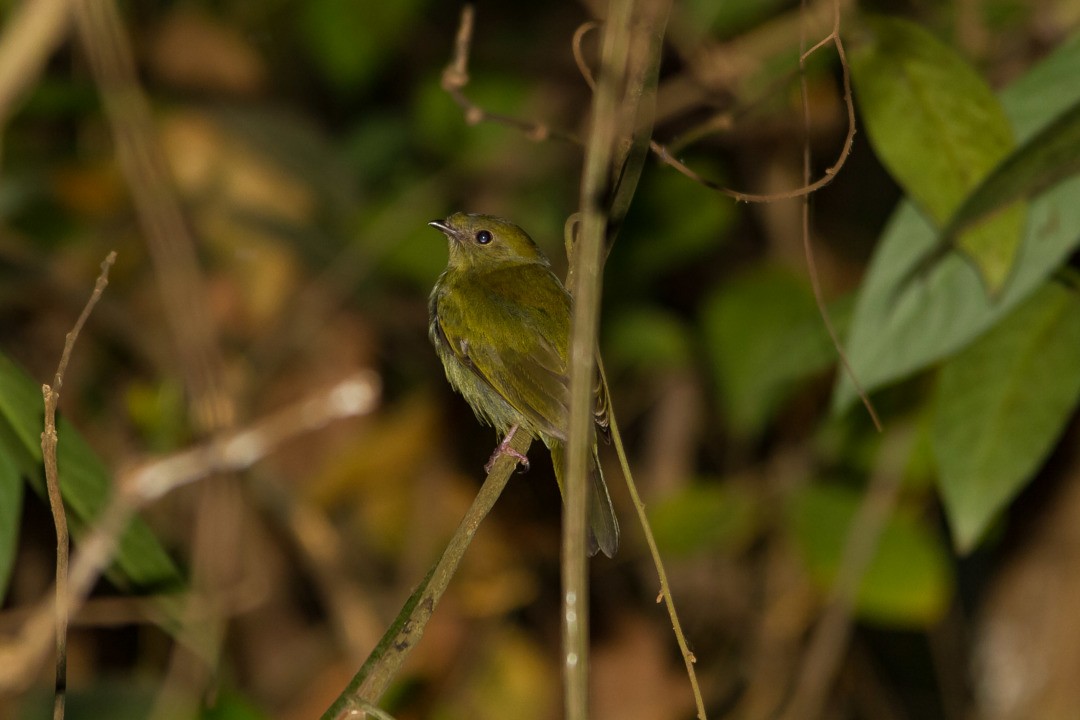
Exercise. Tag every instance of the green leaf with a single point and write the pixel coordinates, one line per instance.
(763, 333)
(350, 40)
(1001, 404)
(939, 130)
(932, 120)
(85, 484)
(140, 561)
(649, 338)
(908, 583)
(1042, 162)
(1045, 160)
(11, 501)
(902, 327)
(703, 517)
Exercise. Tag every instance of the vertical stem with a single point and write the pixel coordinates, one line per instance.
(622, 112)
(596, 190)
(49, 440)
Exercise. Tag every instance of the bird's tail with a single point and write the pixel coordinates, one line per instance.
(603, 526)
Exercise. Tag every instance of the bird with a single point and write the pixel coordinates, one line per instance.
(499, 319)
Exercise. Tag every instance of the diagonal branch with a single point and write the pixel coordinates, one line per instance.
(384, 662)
(356, 395)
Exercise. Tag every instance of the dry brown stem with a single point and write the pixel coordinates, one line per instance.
(808, 187)
(456, 76)
(49, 440)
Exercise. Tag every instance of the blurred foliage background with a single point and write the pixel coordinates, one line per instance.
(308, 144)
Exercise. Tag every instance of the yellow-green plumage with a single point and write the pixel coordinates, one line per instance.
(500, 323)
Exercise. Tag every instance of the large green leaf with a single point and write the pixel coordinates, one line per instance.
(933, 121)
(1000, 406)
(1042, 162)
(908, 582)
(937, 127)
(85, 485)
(904, 323)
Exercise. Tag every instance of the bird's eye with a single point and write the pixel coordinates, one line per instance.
(483, 237)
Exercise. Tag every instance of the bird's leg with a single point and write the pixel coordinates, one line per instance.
(505, 449)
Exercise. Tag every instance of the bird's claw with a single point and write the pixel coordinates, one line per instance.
(505, 449)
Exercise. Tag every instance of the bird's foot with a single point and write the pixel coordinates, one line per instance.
(505, 449)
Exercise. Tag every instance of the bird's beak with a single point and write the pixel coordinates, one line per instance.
(443, 228)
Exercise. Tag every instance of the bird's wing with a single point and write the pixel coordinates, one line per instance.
(511, 327)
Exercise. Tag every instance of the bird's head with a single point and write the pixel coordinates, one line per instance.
(480, 241)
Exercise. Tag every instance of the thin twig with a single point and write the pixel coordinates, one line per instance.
(665, 590)
(49, 442)
(808, 187)
(662, 152)
(808, 247)
(579, 55)
(456, 76)
(623, 109)
(382, 665)
(356, 395)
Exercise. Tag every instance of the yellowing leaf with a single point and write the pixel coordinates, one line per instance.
(939, 130)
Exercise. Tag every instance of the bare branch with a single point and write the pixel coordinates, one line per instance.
(808, 188)
(353, 396)
(456, 76)
(49, 440)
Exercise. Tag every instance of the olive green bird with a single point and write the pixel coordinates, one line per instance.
(500, 323)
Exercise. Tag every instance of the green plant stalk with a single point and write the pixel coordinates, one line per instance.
(384, 662)
(585, 262)
(622, 112)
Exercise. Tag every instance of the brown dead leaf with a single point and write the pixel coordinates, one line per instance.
(194, 50)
